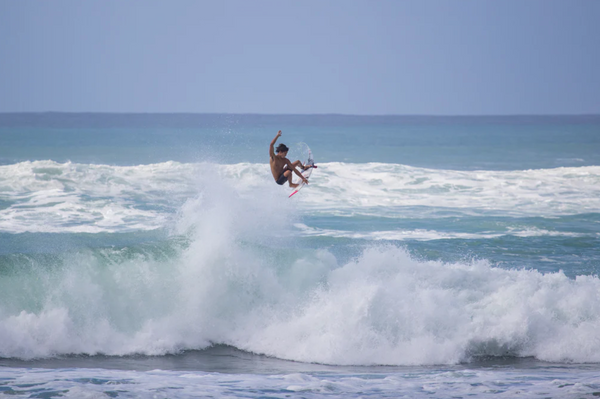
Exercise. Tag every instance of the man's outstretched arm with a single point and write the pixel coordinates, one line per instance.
(271, 149)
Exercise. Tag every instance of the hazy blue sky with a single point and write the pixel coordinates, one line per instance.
(325, 56)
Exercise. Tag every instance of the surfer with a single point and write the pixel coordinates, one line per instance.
(281, 167)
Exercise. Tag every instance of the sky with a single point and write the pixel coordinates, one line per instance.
(366, 57)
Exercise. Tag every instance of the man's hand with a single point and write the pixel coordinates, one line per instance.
(271, 150)
(305, 180)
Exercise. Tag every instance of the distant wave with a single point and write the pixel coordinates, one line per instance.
(45, 196)
(358, 188)
(427, 235)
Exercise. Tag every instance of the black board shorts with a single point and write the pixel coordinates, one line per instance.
(282, 179)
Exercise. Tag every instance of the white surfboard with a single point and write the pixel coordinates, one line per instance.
(309, 162)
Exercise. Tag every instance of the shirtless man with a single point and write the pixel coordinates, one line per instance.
(281, 167)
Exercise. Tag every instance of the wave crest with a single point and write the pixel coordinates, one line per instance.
(45, 196)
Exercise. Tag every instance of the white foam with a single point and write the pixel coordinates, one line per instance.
(45, 196)
(241, 282)
(385, 308)
(429, 235)
(362, 188)
(414, 383)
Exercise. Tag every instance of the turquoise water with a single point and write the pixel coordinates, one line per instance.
(459, 143)
(428, 256)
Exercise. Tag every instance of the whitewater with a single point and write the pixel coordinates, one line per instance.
(46, 196)
(216, 278)
(199, 277)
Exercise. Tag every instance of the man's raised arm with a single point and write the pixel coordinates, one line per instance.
(271, 149)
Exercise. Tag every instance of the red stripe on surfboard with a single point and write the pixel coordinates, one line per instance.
(293, 194)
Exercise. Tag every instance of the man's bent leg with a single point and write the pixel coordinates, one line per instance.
(289, 176)
(297, 163)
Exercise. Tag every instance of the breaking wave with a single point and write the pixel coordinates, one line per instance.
(229, 273)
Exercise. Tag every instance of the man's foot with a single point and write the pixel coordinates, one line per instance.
(292, 185)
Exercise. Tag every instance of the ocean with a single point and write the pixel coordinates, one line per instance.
(153, 256)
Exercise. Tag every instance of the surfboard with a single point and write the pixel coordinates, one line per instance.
(309, 163)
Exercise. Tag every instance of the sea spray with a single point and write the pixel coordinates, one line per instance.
(387, 308)
(134, 300)
(231, 273)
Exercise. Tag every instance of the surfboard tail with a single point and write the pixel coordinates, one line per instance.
(295, 191)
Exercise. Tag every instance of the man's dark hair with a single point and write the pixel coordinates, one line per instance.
(282, 148)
